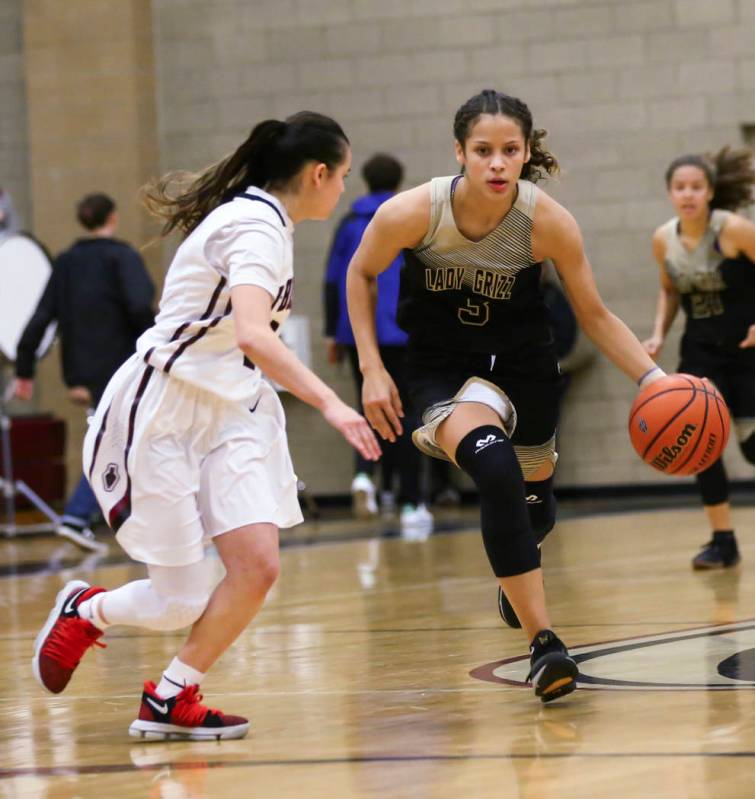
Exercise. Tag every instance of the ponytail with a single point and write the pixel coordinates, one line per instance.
(270, 157)
(729, 172)
(735, 177)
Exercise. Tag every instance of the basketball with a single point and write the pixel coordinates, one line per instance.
(679, 424)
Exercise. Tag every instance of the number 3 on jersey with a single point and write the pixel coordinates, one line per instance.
(474, 313)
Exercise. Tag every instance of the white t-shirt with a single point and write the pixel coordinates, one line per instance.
(247, 241)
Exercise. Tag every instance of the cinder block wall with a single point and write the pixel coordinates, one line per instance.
(14, 153)
(86, 112)
(622, 87)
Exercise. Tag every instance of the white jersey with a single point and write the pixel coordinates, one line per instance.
(246, 241)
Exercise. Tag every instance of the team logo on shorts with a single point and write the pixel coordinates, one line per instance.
(111, 476)
(715, 658)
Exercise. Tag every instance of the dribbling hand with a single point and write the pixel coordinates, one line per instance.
(352, 427)
(382, 404)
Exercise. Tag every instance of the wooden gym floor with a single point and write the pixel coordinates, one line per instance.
(379, 667)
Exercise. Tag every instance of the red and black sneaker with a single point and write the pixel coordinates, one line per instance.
(65, 638)
(183, 718)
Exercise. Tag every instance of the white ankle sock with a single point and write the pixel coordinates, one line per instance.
(176, 677)
(89, 608)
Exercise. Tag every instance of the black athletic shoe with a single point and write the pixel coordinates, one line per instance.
(552, 672)
(721, 552)
(506, 611)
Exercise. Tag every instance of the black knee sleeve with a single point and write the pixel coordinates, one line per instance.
(541, 504)
(748, 448)
(713, 484)
(487, 456)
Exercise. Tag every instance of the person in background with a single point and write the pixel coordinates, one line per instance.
(10, 223)
(101, 297)
(383, 175)
(705, 255)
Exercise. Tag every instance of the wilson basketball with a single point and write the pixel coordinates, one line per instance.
(679, 424)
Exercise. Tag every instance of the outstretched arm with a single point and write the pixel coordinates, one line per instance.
(668, 302)
(45, 313)
(399, 223)
(557, 236)
(256, 339)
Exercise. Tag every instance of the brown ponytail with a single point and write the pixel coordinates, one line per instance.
(272, 154)
(730, 172)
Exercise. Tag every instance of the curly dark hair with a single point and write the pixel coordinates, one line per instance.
(542, 163)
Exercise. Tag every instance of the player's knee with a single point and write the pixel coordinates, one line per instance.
(254, 573)
(487, 456)
(268, 571)
(180, 594)
(183, 611)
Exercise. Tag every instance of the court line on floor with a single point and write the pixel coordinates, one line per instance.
(198, 763)
(281, 630)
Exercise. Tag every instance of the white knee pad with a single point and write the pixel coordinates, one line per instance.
(474, 390)
(182, 593)
(173, 613)
(173, 597)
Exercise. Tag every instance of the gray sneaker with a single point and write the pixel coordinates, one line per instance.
(82, 537)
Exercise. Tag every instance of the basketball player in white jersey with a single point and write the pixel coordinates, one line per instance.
(188, 443)
(482, 362)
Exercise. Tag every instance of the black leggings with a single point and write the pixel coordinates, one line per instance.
(733, 373)
(400, 456)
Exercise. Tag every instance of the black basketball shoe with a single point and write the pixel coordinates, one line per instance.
(552, 672)
(721, 552)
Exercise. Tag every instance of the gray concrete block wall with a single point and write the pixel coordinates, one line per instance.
(622, 86)
(14, 169)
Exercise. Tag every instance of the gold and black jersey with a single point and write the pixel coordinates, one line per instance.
(474, 296)
(717, 293)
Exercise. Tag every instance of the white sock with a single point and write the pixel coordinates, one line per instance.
(176, 677)
(89, 608)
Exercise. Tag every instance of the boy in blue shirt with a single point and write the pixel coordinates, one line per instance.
(383, 175)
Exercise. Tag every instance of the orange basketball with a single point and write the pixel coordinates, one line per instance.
(679, 424)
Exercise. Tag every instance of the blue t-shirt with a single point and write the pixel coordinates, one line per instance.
(345, 243)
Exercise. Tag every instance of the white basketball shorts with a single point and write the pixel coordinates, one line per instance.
(173, 466)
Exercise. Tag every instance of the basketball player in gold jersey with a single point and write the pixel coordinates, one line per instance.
(482, 362)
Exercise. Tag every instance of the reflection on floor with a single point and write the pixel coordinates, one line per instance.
(379, 667)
